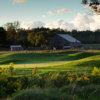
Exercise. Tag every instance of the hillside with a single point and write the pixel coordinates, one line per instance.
(74, 61)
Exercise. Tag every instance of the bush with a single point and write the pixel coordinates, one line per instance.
(71, 85)
(69, 97)
(36, 94)
(10, 71)
(95, 76)
(8, 86)
(96, 72)
(77, 91)
(84, 80)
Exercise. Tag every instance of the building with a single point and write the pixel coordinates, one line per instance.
(16, 48)
(64, 41)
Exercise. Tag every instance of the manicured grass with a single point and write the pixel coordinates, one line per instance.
(92, 46)
(67, 61)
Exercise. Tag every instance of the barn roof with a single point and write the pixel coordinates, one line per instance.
(13, 46)
(68, 38)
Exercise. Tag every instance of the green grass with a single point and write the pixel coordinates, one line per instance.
(67, 61)
(92, 46)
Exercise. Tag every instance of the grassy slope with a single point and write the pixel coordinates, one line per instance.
(52, 62)
(92, 46)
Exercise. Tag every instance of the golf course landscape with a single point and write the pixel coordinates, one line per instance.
(64, 61)
(49, 49)
(50, 75)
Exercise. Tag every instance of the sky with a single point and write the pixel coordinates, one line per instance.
(65, 14)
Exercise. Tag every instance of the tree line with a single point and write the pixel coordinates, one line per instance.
(12, 34)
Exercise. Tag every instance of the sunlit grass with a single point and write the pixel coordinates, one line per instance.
(68, 61)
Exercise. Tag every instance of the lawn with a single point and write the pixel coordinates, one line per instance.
(64, 61)
(92, 46)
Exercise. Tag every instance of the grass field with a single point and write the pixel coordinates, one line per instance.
(92, 46)
(65, 61)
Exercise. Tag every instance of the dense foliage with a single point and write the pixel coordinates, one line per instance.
(40, 37)
(2, 37)
(61, 82)
(90, 1)
(57, 86)
(93, 5)
(68, 92)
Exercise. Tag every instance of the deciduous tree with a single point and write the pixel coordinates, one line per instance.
(2, 36)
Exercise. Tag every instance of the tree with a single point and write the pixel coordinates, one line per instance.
(15, 25)
(31, 38)
(2, 36)
(93, 5)
(40, 39)
(21, 37)
(12, 29)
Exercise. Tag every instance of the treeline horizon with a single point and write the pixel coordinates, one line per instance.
(12, 34)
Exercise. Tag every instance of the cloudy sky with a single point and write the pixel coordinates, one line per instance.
(65, 14)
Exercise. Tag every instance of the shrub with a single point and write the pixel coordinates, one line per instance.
(96, 72)
(3, 87)
(8, 86)
(69, 88)
(11, 69)
(36, 94)
(24, 82)
(58, 80)
(77, 91)
(95, 76)
(69, 97)
(8, 71)
(35, 71)
(84, 80)
(3, 71)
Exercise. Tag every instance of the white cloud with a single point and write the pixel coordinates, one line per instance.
(64, 10)
(32, 24)
(80, 22)
(50, 13)
(20, 1)
(85, 22)
(43, 16)
(96, 24)
(60, 24)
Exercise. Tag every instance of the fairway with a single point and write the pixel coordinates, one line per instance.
(66, 61)
(39, 64)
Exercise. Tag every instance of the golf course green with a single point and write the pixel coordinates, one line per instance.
(65, 61)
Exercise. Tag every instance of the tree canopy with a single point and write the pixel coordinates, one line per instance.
(40, 37)
(2, 36)
(93, 5)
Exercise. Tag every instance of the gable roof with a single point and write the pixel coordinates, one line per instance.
(17, 46)
(68, 38)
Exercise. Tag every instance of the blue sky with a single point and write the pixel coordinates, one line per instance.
(65, 14)
(33, 10)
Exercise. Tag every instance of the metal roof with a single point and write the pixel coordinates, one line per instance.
(13, 46)
(68, 38)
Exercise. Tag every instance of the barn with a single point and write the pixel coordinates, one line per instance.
(64, 41)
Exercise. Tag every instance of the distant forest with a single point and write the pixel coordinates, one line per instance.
(12, 34)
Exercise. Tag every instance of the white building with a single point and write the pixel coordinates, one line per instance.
(16, 48)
